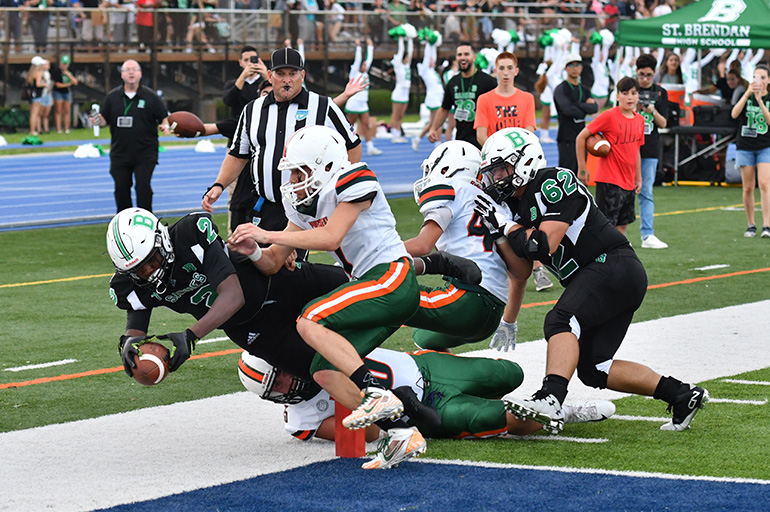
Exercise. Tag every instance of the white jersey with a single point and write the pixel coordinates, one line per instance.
(464, 235)
(373, 238)
(403, 73)
(359, 102)
(393, 369)
(434, 89)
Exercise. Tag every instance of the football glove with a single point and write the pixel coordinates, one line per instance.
(505, 336)
(494, 221)
(184, 345)
(446, 264)
(128, 347)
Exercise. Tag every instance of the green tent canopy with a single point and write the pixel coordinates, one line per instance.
(704, 24)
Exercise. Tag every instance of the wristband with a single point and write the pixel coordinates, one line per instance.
(256, 255)
(216, 184)
(501, 240)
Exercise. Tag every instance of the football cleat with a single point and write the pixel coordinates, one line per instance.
(397, 446)
(586, 412)
(541, 279)
(689, 400)
(426, 417)
(377, 404)
(542, 408)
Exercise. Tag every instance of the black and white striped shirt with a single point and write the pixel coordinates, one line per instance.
(265, 125)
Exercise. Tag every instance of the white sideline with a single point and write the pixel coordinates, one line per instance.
(96, 463)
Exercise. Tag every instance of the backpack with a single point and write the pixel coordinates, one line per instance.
(28, 91)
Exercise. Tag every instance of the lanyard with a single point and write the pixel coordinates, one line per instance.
(462, 83)
(580, 91)
(127, 106)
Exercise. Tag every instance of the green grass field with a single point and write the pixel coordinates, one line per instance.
(55, 306)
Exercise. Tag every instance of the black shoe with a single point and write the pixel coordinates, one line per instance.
(446, 264)
(423, 416)
(689, 400)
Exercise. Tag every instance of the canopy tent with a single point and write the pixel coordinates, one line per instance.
(705, 24)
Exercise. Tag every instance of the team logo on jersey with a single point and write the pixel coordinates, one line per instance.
(252, 337)
(533, 213)
(301, 114)
(601, 258)
(140, 104)
(189, 267)
(322, 405)
(319, 223)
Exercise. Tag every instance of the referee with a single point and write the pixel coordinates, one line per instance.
(263, 129)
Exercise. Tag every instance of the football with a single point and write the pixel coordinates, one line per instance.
(186, 124)
(151, 364)
(597, 145)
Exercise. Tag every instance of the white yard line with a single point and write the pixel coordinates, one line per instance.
(40, 365)
(747, 382)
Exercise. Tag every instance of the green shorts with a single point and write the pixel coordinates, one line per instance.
(368, 310)
(466, 392)
(454, 314)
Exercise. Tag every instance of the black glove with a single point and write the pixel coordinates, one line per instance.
(446, 264)
(184, 345)
(128, 347)
(493, 221)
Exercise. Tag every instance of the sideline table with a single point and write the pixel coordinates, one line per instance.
(724, 136)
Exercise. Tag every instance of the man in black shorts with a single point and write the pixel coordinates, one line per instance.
(556, 221)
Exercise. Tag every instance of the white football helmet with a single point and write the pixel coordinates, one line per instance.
(270, 383)
(133, 237)
(318, 153)
(452, 159)
(515, 146)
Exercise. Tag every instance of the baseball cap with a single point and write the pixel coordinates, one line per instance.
(65, 59)
(37, 60)
(286, 58)
(572, 57)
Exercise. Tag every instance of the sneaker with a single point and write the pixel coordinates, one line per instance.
(372, 151)
(688, 402)
(425, 417)
(750, 232)
(399, 140)
(397, 446)
(653, 242)
(765, 232)
(415, 143)
(377, 404)
(542, 408)
(547, 140)
(598, 410)
(541, 279)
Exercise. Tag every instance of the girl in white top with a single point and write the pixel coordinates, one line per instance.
(357, 107)
(434, 89)
(402, 67)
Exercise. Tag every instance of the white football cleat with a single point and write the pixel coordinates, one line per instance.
(544, 409)
(597, 410)
(397, 446)
(377, 404)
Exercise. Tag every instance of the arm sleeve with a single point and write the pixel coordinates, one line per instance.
(230, 93)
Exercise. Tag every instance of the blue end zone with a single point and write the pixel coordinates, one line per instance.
(342, 485)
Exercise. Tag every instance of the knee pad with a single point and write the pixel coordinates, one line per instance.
(591, 376)
(557, 321)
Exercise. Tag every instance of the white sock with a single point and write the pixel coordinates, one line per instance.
(544, 133)
(395, 132)
(369, 144)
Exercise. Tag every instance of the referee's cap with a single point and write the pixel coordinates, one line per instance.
(286, 58)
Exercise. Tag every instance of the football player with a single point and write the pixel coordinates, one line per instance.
(339, 207)
(557, 222)
(458, 312)
(468, 407)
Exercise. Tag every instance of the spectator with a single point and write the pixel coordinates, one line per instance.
(237, 93)
(198, 27)
(145, 20)
(120, 26)
(93, 21)
(35, 85)
(471, 23)
(13, 22)
(44, 98)
(663, 8)
(357, 107)
(754, 147)
(653, 106)
(378, 21)
(573, 102)
(453, 29)
(619, 175)
(396, 13)
(334, 19)
(460, 96)
(133, 112)
(737, 86)
(399, 98)
(670, 71)
(38, 18)
(180, 21)
(62, 79)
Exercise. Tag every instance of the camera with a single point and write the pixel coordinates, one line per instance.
(254, 59)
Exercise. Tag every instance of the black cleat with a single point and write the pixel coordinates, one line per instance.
(424, 417)
(689, 400)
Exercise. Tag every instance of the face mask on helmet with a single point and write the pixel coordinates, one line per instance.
(315, 154)
(270, 383)
(452, 159)
(510, 159)
(135, 238)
